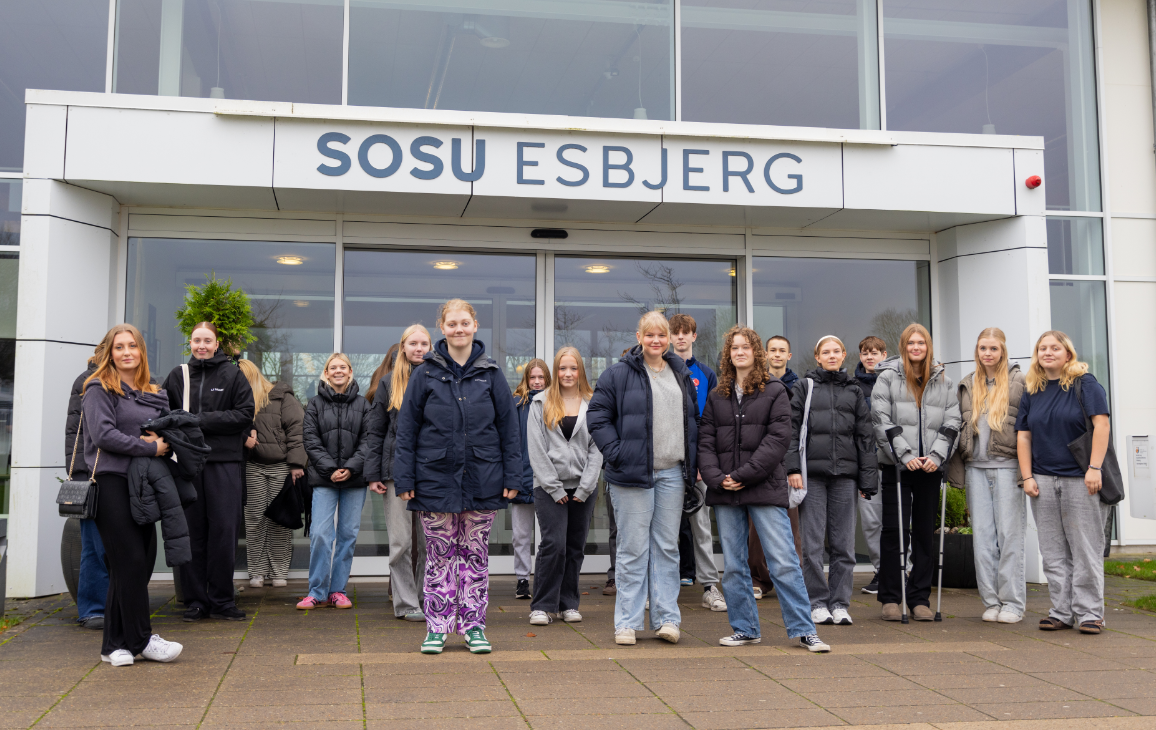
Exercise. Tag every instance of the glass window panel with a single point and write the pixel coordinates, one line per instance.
(994, 67)
(808, 63)
(1076, 246)
(46, 44)
(9, 274)
(805, 299)
(10, 197)
(601, 58)
(270, 50)
(1080, 310)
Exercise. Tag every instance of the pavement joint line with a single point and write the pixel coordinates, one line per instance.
(509, 693)
(28, 623)
(360, 667)
(229, 666)
(655, 694)
(62, 697)
(794, 692)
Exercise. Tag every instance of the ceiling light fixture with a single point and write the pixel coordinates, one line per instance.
(300, 303)
(446, 265)
(731, 271)
(597, 269)
(290, 260)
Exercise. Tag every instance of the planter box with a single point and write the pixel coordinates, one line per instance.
(958, 561)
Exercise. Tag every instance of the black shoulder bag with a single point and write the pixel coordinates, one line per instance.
(78, 499)
(1112, 491)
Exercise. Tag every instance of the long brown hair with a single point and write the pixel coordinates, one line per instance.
(553, 409)
(995, 401)
(385, 367)
(522, 392)
(759, 375)
(107, 374)
(1037, 379)
(916, 380)
(402, 367)
(260, 385)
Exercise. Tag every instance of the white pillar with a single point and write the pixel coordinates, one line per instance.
(172, 44)
(67, 261)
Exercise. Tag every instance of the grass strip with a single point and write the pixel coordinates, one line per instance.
(1144, 569)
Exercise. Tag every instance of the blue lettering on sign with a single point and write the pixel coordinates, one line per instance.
(728, 173)
(430, 159)
(661, 183)
(524, 163)
(687, 169)
(343, 161)
(363, 155)
(796, 177)
(607, 166)
(479, 163)
(576, 165)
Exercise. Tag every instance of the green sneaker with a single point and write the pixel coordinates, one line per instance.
(433, 644)
(477, 641)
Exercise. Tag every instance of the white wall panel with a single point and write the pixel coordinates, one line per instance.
(927, 178)
(44, 141)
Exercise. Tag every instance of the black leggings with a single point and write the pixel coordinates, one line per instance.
(920, 509)
(127, 547)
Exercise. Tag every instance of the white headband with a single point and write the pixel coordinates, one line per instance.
(830, 337)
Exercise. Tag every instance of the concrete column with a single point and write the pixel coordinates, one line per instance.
(67, 269)
(994, 274)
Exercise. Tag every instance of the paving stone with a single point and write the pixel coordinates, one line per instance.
(424, 710)
(616, 706)
(121, 717)
(753, 719)
(1052, 710)
(232, 714)
(910, 713)
(455, 723)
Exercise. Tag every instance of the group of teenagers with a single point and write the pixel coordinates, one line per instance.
(785, 463)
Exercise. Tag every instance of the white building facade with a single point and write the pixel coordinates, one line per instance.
(836, 168)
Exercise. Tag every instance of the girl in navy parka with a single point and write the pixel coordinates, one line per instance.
(458, 460)
(535, 379)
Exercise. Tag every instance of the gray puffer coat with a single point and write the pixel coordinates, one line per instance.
(893, 405)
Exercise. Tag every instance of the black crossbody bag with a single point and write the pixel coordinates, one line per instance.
(78, 498)
(1112, 491)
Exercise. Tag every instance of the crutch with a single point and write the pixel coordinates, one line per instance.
(949, 434)
(891, 433)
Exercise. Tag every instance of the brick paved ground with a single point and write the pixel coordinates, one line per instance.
(360, 669)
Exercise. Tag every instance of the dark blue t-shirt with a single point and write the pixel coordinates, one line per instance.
(1054, 418)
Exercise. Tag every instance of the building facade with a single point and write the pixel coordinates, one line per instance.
(839, 167)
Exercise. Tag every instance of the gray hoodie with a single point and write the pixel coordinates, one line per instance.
(893, 405)
(559, 464)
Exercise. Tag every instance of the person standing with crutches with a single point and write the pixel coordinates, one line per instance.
(914, 394)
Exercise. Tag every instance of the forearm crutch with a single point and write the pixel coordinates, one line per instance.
(950, 434)
(891, 433)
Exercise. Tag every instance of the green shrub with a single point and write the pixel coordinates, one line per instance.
(955, 515)
(219, 303)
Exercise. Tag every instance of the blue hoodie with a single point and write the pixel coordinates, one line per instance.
(704, 381)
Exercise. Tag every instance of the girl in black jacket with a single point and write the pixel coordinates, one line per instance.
(839, 454)
(338, 435)
(221, 396)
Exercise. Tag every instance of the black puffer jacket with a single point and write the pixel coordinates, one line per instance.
(840, 439)
(379, 468)
(338, 435)
(72, 423)
(747, 440)
(221, 396)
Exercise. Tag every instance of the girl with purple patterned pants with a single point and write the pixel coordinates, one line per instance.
(457, 461)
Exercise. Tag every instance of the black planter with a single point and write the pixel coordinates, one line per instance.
(958, 561)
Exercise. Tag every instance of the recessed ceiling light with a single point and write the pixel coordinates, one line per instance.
(290, 260)
(300, 303)
(731, 271)
(446, 265)
(597, 269)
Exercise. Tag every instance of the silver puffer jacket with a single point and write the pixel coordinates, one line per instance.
(893, 405)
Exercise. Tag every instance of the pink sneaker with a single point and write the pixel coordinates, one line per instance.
(310, 602)
(340, 600)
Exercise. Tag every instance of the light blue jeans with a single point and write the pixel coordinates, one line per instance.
(998, 518)
(647, 560)
(333, 533)
(774, 530)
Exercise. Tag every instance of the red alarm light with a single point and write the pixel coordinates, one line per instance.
(1034, 182)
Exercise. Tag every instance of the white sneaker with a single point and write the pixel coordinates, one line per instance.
(991, 615)
(571, 616)
(758, 593)
(669, 632)
(647, 604)
(624, 637)
(280, 582)
(119, 658)
(540, 618)
(256, 582)
(821, 616)
(712, 599)
(841, 617)
(1007, 617)
(160, 650)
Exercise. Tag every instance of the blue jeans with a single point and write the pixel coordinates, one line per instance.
(333, 533)
(774, 529)
(92, 588)
(998, 519)
(647, 560)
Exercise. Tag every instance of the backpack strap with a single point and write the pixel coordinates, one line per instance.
(188, 386)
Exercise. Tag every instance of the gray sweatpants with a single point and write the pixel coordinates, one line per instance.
(522, 527)
(705, 570)
(1070, 523)
(406, 570)
(871, 519)
(828, 511)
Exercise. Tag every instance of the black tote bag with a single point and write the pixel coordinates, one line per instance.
(1112, 491)
(287, 507)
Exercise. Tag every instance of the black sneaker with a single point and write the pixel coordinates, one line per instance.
(94, 622)
(523, 589)
(873, 586)
(196, 613)
(813, 643)
(739, 639)
(232, 613)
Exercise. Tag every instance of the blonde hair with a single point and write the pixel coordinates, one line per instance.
(260, 385)
(916, 382)
(995, 401)
(522, 392)
(325, 370)
(107, 374)
(1037, 379)
(402, 367)
(654, 320)
(454, 305)
(553, 410)
(825, 338)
